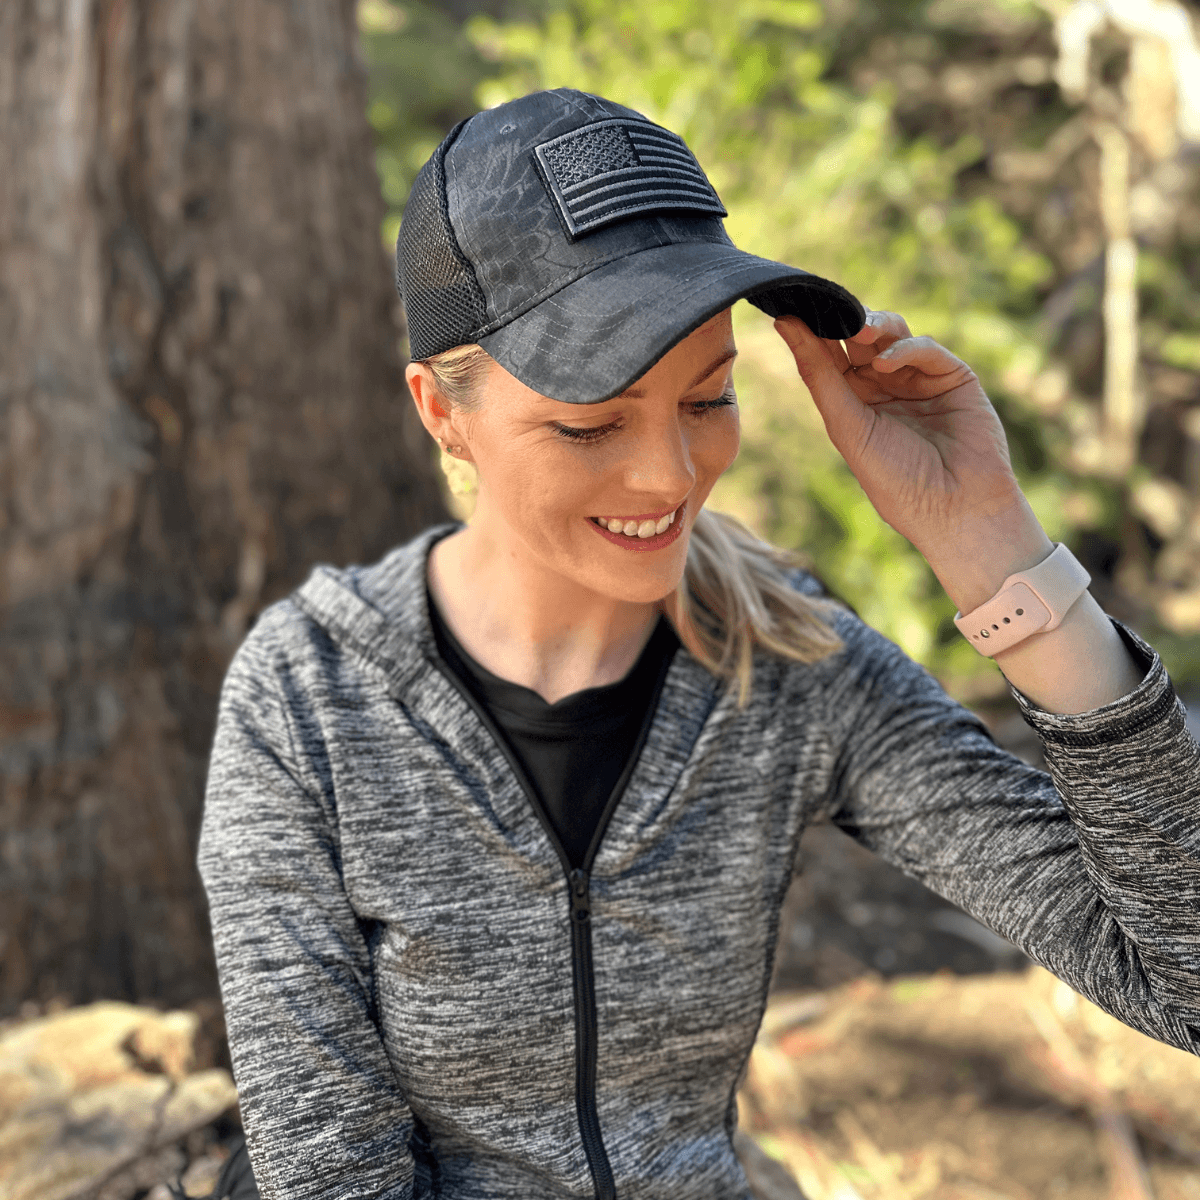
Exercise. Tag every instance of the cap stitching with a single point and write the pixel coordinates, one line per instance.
(815, 282)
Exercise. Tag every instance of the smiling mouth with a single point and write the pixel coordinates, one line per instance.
(638, 527)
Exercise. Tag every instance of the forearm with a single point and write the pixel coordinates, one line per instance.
(1092, 866)
(1081, 665)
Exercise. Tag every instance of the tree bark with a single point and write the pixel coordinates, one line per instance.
(200, 396)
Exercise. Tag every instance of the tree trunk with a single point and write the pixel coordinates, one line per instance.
(201, 396)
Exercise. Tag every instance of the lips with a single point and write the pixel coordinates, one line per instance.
(637, 540)
(644, 526)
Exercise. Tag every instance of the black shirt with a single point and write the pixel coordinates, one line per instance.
(574, 752)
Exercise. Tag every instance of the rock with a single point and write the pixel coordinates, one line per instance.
(88, 1092)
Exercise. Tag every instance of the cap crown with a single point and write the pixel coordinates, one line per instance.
(521, 200)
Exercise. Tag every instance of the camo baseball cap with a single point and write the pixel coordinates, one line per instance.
(577, 242)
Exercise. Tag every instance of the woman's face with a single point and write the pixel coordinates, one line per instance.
(550, 473)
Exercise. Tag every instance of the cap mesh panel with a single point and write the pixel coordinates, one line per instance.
(443, 302)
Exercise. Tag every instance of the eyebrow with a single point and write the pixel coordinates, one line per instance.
(635, 393)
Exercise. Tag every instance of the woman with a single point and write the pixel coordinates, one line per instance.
(498, 828)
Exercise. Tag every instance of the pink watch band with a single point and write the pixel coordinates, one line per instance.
(1032, 601)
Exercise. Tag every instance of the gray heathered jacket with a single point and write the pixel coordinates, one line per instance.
(419, 1001)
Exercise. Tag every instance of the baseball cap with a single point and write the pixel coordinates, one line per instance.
(577, 242)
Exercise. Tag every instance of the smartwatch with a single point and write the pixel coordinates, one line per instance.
(1032, 601)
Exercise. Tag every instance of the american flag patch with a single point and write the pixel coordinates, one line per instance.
(613, 169)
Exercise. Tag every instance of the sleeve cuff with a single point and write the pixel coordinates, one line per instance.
(1151, 703)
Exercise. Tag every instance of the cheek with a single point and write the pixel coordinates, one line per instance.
(539, 490)
(720, 445)
(735, 437)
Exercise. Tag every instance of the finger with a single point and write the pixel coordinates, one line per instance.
(880, 331)
(882, 325)
(922, 353)
(837, 353)
(846, 418)
(819, 350)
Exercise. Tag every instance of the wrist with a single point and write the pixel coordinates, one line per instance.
(1082, 665)
(973, 566)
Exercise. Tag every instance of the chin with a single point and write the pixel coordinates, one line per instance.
(641, 582)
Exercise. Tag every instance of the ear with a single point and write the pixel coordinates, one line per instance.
(434, 416)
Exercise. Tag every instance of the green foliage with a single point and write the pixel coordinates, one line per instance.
(423, 73)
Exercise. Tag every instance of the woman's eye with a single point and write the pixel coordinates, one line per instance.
(575, 434)
(724, 400)
(698, 408)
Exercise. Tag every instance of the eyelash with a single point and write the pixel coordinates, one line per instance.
(583, 436)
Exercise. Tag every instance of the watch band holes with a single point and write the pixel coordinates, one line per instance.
(1020, 612)
(1006, 621)
(995, 626)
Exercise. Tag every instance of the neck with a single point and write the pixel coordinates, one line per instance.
(530, 625)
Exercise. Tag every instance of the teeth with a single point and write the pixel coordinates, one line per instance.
(638, 529)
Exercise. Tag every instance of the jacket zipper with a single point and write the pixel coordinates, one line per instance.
(585, 1036)
(583, 979)
(579, 885)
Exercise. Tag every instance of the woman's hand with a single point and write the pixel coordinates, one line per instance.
(922, 438)
(914, 425)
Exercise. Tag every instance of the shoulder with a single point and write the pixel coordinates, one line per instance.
(806, 582)
(345, 611)
(283, 634)
(869, 664)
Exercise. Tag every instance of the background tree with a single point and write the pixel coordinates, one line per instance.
(201, 395)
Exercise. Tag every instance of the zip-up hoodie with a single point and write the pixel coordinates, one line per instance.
(422, 1001)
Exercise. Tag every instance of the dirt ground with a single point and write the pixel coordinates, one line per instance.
(940, 1087)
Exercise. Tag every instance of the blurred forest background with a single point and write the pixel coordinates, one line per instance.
(1021, 186)
(201, 395)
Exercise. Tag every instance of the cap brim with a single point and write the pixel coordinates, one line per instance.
(590, 340)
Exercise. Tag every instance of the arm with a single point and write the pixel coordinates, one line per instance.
(323, 1115)
(1081, 665)
(1093, 870)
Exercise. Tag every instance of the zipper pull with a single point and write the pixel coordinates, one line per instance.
(581, 901)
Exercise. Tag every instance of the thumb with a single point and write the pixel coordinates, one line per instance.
(846, 417)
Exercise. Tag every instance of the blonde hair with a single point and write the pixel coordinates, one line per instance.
(734, 594)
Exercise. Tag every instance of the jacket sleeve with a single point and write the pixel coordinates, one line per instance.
(1093, 870)
(323, 1115)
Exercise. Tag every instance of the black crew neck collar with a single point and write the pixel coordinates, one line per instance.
(594, 703)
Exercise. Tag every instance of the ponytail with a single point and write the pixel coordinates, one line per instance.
(735, 593)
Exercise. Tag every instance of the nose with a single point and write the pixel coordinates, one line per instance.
(660, 464)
